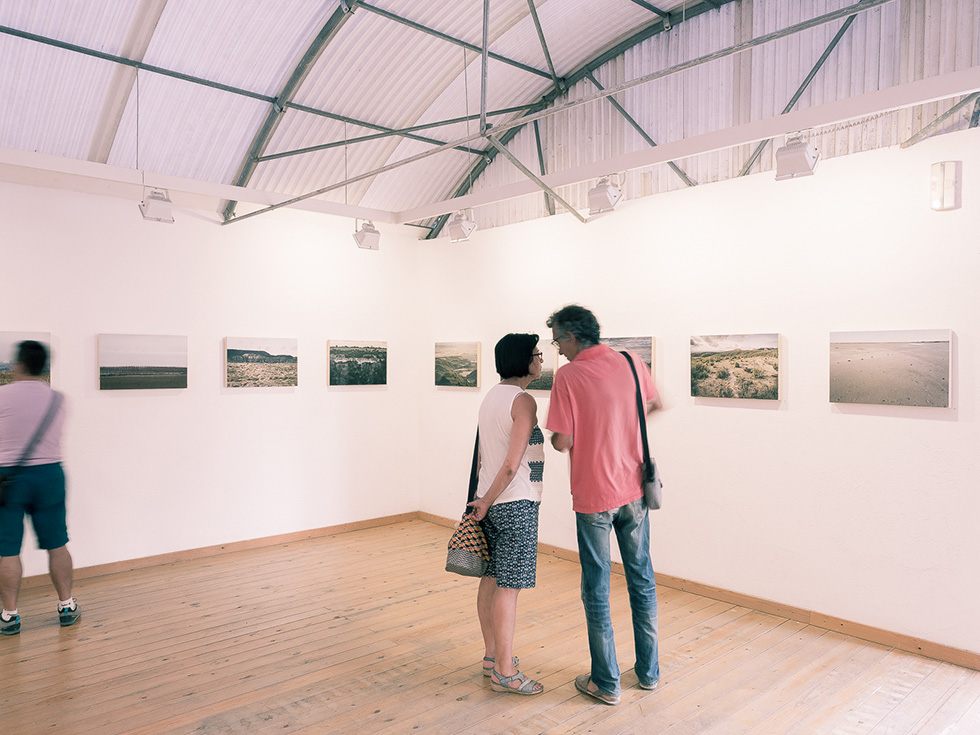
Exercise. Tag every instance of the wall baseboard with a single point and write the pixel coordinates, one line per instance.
(957, 656)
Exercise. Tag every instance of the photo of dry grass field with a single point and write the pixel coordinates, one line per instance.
(8, 353)
(457, 364)
(735, 366)
(252, 362)
(896, 368)
(142, 362)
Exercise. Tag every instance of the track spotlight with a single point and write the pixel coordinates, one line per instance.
(157, 206)
(460, 227)
(604, 196)
(367, 237)
(796, 158)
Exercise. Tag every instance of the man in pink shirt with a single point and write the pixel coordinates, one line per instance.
(38, 486)
(593, 415)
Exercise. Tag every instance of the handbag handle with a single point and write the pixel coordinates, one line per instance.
(474, 469)
(639, 412)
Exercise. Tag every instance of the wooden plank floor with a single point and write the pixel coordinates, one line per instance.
(364, 633)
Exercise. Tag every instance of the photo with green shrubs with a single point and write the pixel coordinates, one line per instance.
(355, 362)
(735, 366)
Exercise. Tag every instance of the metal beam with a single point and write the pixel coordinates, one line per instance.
(134, 64)
(799, 92)
(361, 139)
(643, 133)
(527, 172)
(451, 39)
(483, 66)
(652, 8)
(646, 32)
(548, 201)
(331, 28)
(559, 84)
(928, 129)
(975, 118)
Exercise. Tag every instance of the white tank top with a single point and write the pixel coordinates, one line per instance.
(496, 425)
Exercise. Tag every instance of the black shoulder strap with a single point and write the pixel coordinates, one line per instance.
(41, 429)
(474, 469)
(639, 411)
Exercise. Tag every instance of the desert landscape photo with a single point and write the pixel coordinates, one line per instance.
(254, 362)
(735, 366)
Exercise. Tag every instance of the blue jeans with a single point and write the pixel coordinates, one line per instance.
(632, 526)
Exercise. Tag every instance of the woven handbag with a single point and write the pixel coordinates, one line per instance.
(468, 552)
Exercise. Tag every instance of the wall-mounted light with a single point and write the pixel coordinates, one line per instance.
(604, 196)
(795, 159)
(368, 236)
(156, 206)
(460, 227)
(944, 185)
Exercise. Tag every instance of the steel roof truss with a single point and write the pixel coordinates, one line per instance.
(527, 172)
(799, 92)
(451, 39)
(331, 28)
(643, 133)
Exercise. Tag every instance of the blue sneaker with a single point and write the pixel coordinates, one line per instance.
(10, 627)
(68, 615)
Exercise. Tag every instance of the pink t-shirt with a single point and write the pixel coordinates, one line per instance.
(594, 400)
(23, 404)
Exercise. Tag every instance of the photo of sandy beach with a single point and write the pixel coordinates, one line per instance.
(894, 368)
(735, 366)
(642, 346)
(457, 364)
(8, 353)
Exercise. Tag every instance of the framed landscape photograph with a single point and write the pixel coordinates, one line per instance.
(353, 362)
(735, 366)
(549, 353)
(893, 368)
(254, 362)
(642, 346)
(8, 353)
(457, 364)
(142, 362)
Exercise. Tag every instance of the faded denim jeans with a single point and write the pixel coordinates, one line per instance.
(632, 526)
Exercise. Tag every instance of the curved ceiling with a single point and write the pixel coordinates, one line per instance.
(400, 111)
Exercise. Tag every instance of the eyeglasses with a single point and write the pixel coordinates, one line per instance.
(537, 354)
(555, 341)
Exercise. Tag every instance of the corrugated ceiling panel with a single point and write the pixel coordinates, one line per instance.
(185, 129)
(52, 98)
(250, 44)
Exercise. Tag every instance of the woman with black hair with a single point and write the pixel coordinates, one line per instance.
(507, 500)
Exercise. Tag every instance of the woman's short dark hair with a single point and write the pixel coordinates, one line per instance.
(577, 321)
(33, 356)
(513, 354)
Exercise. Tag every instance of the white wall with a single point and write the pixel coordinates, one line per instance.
(163, 470)
(865, 513)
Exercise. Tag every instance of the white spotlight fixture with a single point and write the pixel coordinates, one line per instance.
(944, 186)
(604, 196)
(460, 227)
(796, 158)
(367, 237)
(156, 206)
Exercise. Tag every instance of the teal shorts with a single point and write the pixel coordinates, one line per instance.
(39, 492)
